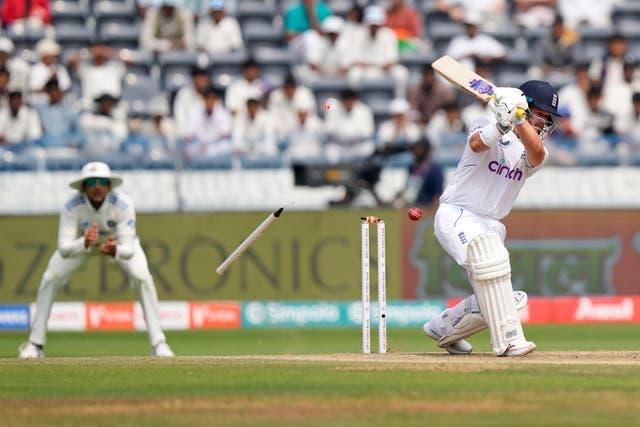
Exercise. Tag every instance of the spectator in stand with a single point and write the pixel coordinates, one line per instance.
(375, 52)
(49, 67)
(429, 94)
(330, 57)
(105, 127)
(590, 13)
(218, 32)
(208, 132)
(490, 13)
(31, 13)
(555, 53)
(152, 135)
(303, 16)
(302, 25)
(253, 132)
(563, 143)
(19, 123)
(282, 105)
(447, 130)
(250, 85)
(4, 87)
(59, 121)
(425, 179)
(102, 72)
(533, 14)
(475, 45)
(305, 140)
(169, 27)
(598, 136)
(573, 96)
(190, 97)
(398, 132)
(353, 22)
(350, 129)
(615, 73)
(18, 68)
(406, 23)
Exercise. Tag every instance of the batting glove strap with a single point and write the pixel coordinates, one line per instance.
(491, 135)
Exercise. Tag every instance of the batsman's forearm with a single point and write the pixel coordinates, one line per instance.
(532, 143)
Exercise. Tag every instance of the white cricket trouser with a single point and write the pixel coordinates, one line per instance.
(59, 271)
(455, 227)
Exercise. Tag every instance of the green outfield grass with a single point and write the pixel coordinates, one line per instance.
(271, 378)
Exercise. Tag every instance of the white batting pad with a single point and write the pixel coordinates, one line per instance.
(465, 319)
(491, 271)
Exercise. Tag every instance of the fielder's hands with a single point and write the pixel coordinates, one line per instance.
(509, 105)
(91, 236)
(109, 247)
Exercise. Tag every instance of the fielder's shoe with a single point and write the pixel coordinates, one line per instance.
(457, 348)
(28, 350)
(162, 350)
(520, 350)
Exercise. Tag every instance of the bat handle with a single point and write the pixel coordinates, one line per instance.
(521, 113)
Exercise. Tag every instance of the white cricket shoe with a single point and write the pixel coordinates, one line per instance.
(456, 348)
(520, 350)
(162, 350)
(28, 350)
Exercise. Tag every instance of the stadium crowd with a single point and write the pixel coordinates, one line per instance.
(248, 83)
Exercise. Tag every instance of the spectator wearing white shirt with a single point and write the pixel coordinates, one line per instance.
(490, 12)
(18, 68)
(254, 132)
(209, 128)
(100, 73)
(573, 96)
(350, 129)
(218, 32)
(447, 129)
(282, 101)
(399, 130)
(375, 52)
(474, 45)
(305, 140)
(49, 67)
(104, 128)
(330, 57)
(250, 85)
(591, 13)
(168, 27)
(190, 97)
(19, 123)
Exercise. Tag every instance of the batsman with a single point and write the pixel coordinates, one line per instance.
(501, 153)
(96, 220)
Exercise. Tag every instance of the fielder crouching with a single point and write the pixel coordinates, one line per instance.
(501, 153)
(88, 223)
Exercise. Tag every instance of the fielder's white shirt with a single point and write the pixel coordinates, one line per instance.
(116, 217)
(488, 183)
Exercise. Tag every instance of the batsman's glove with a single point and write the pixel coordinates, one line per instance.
(509, 106)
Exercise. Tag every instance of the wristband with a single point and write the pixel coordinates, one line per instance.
(490, 135)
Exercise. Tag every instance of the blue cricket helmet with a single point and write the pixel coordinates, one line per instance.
(541, 95)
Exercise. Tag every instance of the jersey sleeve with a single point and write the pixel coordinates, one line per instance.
(69, 244)
(126, 227)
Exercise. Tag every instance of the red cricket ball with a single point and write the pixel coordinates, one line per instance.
(414, 214)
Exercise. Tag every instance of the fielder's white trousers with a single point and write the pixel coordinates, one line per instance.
(59, 271)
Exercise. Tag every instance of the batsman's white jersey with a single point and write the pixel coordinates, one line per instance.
(488, 183)
(116, 218)
(482, 191)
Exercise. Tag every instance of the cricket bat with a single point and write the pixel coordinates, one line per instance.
(465, 79)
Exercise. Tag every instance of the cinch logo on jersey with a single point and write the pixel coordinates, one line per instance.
(502, 170)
